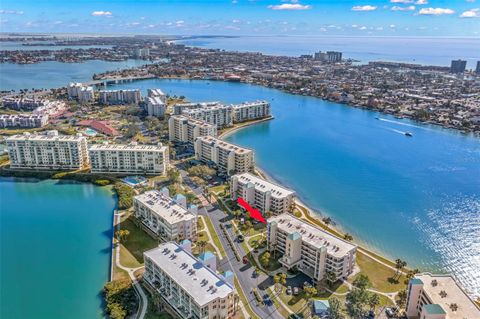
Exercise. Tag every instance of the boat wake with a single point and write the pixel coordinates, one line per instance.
(401, 123)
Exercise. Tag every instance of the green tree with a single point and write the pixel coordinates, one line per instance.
(202, 244)
(373, 301)
(401, 299)
(362, 282)
(173, 175)
(265, 259)
(279, 279)
(309, 292)
(399, 264)
(331, 278)
(348, 237)
(335, 311)
(327, 220)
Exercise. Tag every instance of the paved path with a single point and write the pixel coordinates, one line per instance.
(142, 309)
(210, 238)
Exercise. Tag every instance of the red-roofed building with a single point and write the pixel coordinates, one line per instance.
(100, 126)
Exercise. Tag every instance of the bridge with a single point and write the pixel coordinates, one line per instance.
(105, 82)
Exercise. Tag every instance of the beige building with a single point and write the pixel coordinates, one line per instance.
(312, 250)
(185, 130)
(250, 111)
(438, 297)
(49, 151)
(155, 106)
(261, 194)
(168, 218)
(23, 120)
(132, 96)
(218, 115)
(188, 287)
(229, 158)
(129, 159)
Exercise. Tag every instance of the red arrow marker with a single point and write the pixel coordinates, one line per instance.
(255, 214)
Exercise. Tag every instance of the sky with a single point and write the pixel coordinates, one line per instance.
(444, 18)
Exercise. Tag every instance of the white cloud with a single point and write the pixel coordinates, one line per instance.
(364, 8)
(290, 6)
(422, 2)
(101, 14)
(363, 28)
(472, 13)
(435, 11)
(401, 1)
(11, 12)
(393, 26)
(397, 8)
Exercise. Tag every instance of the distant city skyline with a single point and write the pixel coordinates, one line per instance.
(246, 17)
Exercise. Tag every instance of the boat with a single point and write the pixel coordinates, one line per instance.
(377, 118)
(408, 134)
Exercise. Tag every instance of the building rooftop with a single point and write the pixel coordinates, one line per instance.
(313, 235)
(49, 136)
(263, 185)
(128, 147)
(444, 291)
(248, 104)
(199, 281)
(192, 121)
(165, 207)
(155, 100)
(225, 145)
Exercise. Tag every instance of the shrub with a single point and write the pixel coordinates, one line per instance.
(120, 298)
(125, 195)
(102, 182)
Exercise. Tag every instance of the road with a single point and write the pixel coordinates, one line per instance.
(243, 272)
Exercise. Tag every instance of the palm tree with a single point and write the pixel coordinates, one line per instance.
(202, 244)
(399, 264)
(373, 301)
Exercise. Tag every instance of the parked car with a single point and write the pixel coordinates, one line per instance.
(389, 312)
(245, 260)
(289, 290)
(266, 300)
(240, 238)
(295, 291)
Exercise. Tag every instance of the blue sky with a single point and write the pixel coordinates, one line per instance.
(459, 18)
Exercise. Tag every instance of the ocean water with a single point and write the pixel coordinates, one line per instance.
(53, 74)
(414, 198)
(422, 50)
(55, 248)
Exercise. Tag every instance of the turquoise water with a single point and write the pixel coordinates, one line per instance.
(424, 50)
(55, 248)
(415, 198)
(53, 74)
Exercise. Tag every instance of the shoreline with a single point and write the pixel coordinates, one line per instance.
(336, 231)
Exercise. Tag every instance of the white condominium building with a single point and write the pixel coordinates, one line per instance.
(165, 217)
(48, 151)
(73, 90)
(229, 158)
(120, 96)
(185, 130)
(312, 250)
(250, 111)
(438, 297)
(80, 92)
(129, 159)
(157, 93)
(23, 120)
(155, 106)
(261, 194)
(23, 103)
(219, 115)
(187, 286)
(180, 107)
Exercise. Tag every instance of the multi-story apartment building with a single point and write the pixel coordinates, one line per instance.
(250, 111)
(438, 297)
(49, 151)
(180, 107)
(312, 250)
(183, 129)
(23, 120)
(167, 218)
(155, 106)
(73, 90)
(157, 93)
(218, 115)
(129, 159)
(23, 103)
(86, 94)
(229, 158)
(188, 287)
(132, 96)
(261, 194)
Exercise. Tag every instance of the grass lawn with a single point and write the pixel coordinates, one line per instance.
(214, 235)
(203, 236)
(273, 296)
(273, 263)
(200, 225)
(379, 274)
(119, 274)
(137, 242)
(253, 240)
(296, 303)
(127, 259)
(218, 189)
